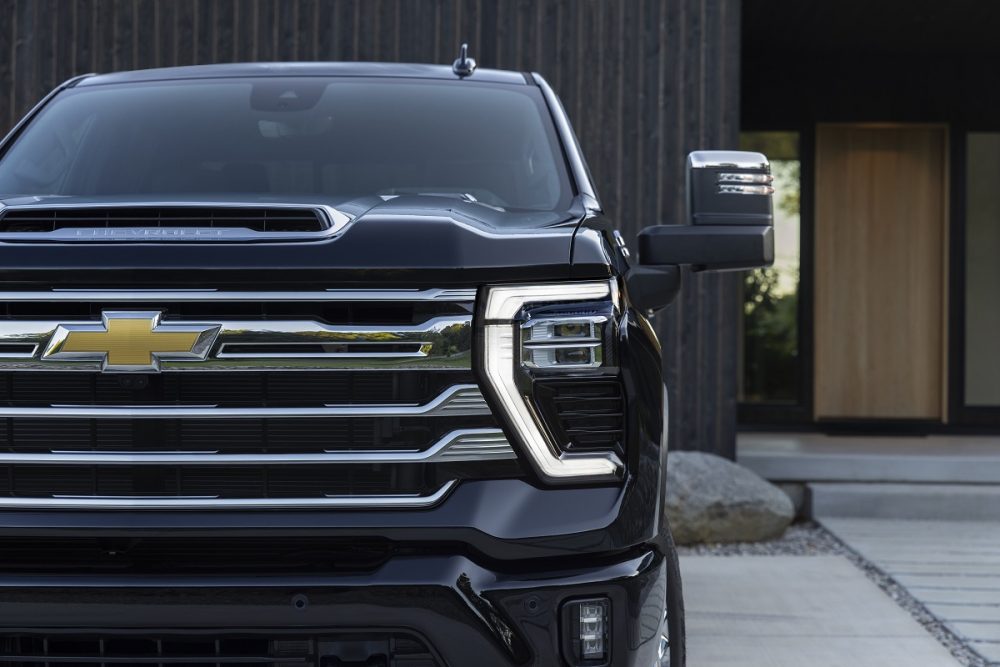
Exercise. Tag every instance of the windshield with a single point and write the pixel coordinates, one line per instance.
(338, 139)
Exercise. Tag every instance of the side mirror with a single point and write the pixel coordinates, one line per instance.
(731, 225)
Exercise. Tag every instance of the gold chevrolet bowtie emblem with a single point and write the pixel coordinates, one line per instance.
(131, 341)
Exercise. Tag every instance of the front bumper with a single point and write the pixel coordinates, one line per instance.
(467, 613)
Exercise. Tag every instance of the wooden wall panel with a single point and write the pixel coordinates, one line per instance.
(645, 81)
(881, 194)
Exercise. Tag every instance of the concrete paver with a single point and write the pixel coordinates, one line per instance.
(977, 631)
(950, 502)
(955, 596)
(789, 611)
(818, 457)
(989, 650)
(964, 612)
(958, 569)
(951, 567)
(950, 580)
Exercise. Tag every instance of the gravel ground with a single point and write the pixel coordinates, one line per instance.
(801, 539)
(810, 539)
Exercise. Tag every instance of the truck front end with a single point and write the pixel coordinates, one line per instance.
(321, 365)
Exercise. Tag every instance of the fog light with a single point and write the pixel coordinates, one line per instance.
(592, 631)
(588, 630)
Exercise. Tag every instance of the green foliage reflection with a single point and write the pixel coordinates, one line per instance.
(770, 296)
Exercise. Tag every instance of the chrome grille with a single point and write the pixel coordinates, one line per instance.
(254, 344)
(356, 420)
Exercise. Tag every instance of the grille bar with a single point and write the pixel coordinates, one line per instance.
(463, 445)
(377, 501)
(459, 400)
(441, 342)
(144, 295)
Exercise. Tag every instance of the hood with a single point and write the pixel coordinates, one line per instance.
(406, 240)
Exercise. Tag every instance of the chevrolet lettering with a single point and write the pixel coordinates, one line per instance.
(338, 364)
(131, 234)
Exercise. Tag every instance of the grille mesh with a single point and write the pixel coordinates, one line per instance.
(243, 481)
(231, 435)
(193, 554)
(303, 388)
(588, 414)
(274, 650)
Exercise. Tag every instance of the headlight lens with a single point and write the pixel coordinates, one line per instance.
(573, 342)
(563, 341)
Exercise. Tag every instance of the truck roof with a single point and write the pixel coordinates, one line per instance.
(299, 69)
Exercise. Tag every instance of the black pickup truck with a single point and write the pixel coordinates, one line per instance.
(336, 365)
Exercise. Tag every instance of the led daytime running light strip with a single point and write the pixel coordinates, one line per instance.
(502, 304)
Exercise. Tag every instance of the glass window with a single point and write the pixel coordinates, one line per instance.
(982, 270)
(770, 341)
(334, 138)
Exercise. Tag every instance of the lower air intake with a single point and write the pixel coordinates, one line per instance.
(585, 414)
(343, 650)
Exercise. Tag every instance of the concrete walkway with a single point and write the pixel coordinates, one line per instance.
(792, 611)
(936, 502)
(815, 457)
(952, 567)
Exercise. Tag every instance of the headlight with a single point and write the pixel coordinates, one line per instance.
(562, 342)
(522, 331)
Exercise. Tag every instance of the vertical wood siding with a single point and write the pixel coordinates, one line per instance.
(644, 81)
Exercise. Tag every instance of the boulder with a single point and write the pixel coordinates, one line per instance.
(712, 499)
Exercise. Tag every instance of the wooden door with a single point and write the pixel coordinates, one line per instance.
(880, 242)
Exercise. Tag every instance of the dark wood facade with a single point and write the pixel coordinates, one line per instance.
(644, 81)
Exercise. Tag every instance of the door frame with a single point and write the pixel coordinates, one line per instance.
(962, 417)
(795, 416)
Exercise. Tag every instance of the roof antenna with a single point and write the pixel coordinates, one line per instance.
(465, 65)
